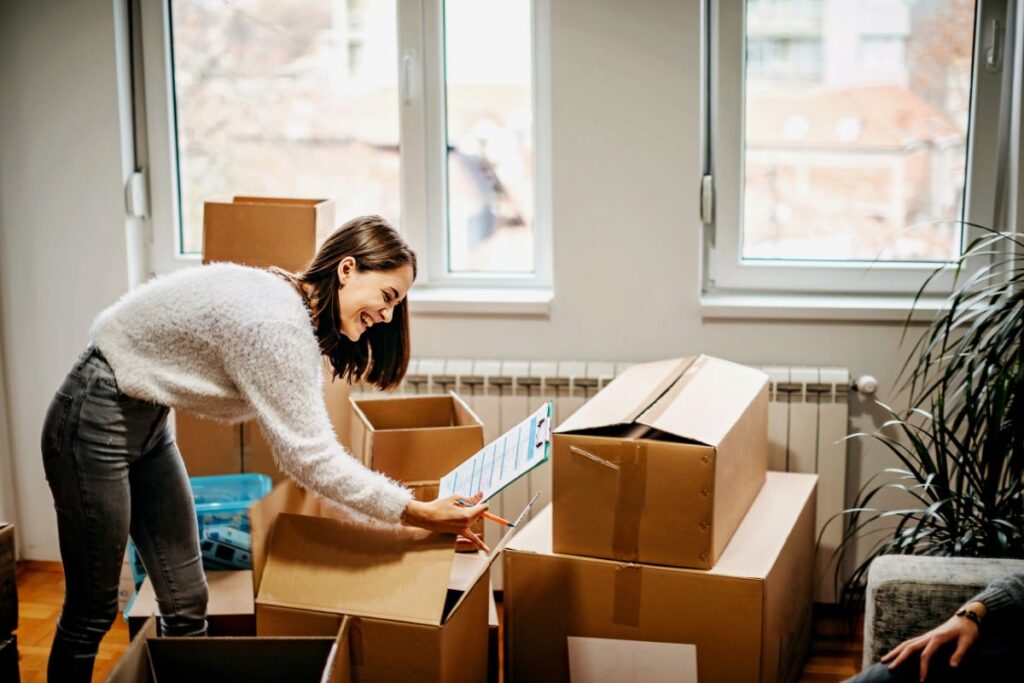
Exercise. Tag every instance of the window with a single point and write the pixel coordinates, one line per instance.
(869, 133)
(423, 111)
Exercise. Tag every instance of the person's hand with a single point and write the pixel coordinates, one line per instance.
(447, 516)
(961, 629)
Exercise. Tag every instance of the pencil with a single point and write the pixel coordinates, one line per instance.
(488, 515)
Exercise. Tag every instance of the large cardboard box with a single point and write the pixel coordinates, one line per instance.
(8, 580)
(229, 612)
(150, 659)
(415, 438)
(209, 447)
(266, 231)
(661, 466)
(748, 619)
(420, 609)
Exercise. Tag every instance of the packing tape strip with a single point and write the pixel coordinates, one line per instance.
(629, 504)
(626, 607)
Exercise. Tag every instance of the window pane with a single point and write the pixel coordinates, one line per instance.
(295, 99)
(856, 128)
(490, 135)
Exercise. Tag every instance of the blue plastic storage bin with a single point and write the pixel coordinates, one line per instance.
(222, 512)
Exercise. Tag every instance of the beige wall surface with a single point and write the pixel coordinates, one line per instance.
(62, 220)
(626, 167)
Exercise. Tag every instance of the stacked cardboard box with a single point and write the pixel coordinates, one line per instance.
(666, 545)
(416, 439)
(8, 604)
(420, 611)
(257, 232)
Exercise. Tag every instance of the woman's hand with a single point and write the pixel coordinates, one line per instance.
(447, 516)
(961, 629)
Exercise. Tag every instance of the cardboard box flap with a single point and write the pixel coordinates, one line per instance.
(285, 497)
(288, 201)
(484, 562)
(134, 665)
(627, 397)
(351, 568)
(442, 411)
(696, 399)
(706, 401)
(339, 662)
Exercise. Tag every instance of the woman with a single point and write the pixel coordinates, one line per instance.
(229, 343)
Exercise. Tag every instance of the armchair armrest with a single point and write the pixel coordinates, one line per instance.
(908, 595)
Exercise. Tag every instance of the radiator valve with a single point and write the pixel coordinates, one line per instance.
(866, 385)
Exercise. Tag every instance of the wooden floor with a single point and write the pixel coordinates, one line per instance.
(40, 592)
(835, 649)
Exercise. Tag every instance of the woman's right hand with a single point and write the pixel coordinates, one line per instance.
(447, 516)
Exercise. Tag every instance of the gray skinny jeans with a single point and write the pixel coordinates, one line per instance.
(113, 468)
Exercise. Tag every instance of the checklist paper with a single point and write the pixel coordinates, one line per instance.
(504, 460)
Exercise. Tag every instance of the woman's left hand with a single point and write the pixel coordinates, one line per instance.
(962, 630)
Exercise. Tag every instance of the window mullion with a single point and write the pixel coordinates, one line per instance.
(435, 142)
(413, 129)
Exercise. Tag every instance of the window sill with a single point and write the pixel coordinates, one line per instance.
(480, 300)
(836, 307)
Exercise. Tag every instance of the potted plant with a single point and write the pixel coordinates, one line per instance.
(960, 442)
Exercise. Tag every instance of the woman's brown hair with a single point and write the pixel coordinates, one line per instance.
(381, 356)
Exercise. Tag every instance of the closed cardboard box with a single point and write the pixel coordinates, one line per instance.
(229, 612)
(661, 466)
(415, 438)
(210, 448)
(8, 581)
(420, 609)
(747, 619)
(266, 231)
(150, 659)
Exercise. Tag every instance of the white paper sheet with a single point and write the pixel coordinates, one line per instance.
(504, 460)
(604, 660)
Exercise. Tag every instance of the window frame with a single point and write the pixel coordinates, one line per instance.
(423, 140)
(726, 272)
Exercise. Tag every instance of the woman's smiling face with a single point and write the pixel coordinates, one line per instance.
(369, 297)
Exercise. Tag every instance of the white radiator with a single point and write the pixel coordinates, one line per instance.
(807, 415)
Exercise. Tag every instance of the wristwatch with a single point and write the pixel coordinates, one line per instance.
(970, 615)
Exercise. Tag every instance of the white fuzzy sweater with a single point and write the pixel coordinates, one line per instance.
(233, 343)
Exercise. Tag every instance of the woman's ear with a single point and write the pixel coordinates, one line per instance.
(346, 267)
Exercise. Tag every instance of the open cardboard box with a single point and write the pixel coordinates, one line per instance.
(230, 611)
(661, 466)
(746, 619)
(415, 438)
(150, 659)
(421, 609)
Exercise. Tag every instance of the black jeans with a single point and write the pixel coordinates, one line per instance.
(113, 468)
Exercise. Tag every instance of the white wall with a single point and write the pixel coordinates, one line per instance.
(62, 243)
(626, 169)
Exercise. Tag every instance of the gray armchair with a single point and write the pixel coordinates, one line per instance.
(908, 595)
